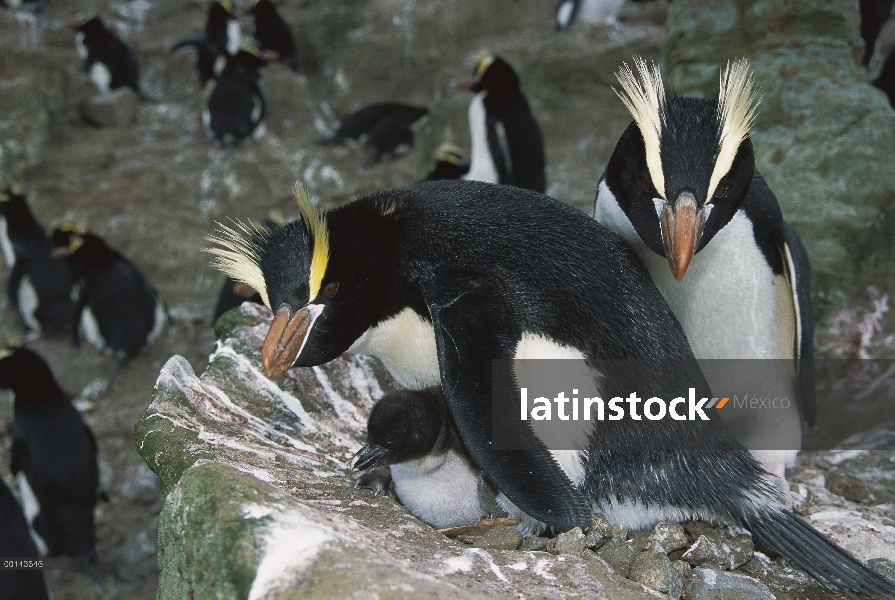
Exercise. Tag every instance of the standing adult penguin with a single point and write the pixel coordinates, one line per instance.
(39, 286)
(507, 145)
(53, 455)
(213, 45)
(442, 278)
(682, 190)
(108, 60)
(119, 310)
(15, 540)
(273, 33)
(236, 108)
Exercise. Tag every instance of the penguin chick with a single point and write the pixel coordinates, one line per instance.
(212, 45)
(108, 60)
(450, 163)
(15, 540)
(54, 455)
(384, 127)
(236, 108)
(412, 433)
(273, 33)
(39, 286)
(441, 279)
(507, 145)
(119, 310)
(682, 190)
(233, 294)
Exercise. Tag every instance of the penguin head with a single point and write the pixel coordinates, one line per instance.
(249, 58)
(451, 154)
(27, 374)
(322, 302)
(403, 426)
(682, 169)
(77, 246)
(221, 11)
(490, 74)
(13, 202)
(90, 25)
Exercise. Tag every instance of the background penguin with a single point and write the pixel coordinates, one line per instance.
(886, 79)
(682, 182)
(441, 278)
(384, 127)
(233, 294)
(213, 45)
(236, 108)
(119, 310)
(450, 163)
(273, 33)
(39, 286)
(15, 540)
(507, 145)
(874, 14)
(588, 11)
(412, 432)
(53, 455)
(108, 61)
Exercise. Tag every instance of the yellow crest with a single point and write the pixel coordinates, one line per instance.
(315, 223)
(483, 60)
(737, 104)
(239, 257)
(448, 152)
(644, 97)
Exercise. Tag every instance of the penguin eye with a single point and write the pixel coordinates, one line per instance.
(330, 290)
(720, 190)
(647, 183)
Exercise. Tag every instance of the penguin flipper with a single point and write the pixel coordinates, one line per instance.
(500, 149)
(797, 269)
(532, 480)
(15, 280)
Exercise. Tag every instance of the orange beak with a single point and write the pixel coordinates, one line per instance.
(681, 232)
(465, 83)
(286, 338)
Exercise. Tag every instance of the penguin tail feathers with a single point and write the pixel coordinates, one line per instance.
(789, 536)
(191, 41)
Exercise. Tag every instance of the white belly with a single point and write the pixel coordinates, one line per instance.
(159, 319)
(100, 75)
(28, 303)
(439, 490)
(9, 252)
(31, 508)
(91, 330)
(481, 165)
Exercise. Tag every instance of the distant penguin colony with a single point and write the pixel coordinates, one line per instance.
(384, 127)
(420, 278)
(214, 43)
(39, 286)
(273, 33)
(53, 456)
(507, 145)
(682, 190)
(108, 61)
(119, 310)
(236, 108)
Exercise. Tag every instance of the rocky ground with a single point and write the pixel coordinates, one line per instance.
(152, 184)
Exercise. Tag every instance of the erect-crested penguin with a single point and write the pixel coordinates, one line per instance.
(441, 278)
(213, 44)
(236, 108)
(119, 310)
(273, 33)
(53, 454)
(39, 286)
(507, 145)
(682, 190)
(411, 432)
(450, 163)
(108, 61)
(15, 540)
(384, 127)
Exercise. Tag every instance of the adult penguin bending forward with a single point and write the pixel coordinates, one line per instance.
(440, 278)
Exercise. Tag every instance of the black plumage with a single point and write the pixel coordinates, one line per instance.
(101, 49)
(450, 163)
(874, 14)
(233, 294)
(211, 45)
(236, 108)
(39, 286)
(273, 33)
(56, 452)
(15, 541)
(119, 310)
(481, 268)
(383, 127)
(886, 79)
(514, 140)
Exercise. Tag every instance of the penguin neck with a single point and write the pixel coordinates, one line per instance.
(18, 218)
(33, 384)
(93, 253)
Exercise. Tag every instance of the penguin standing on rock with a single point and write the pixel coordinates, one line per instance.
(236, 108)
(39, 286)
(507, 145)
(213, 45)
(384, 127)
(15, 540)
(273, 33)
(53, 455)
(682, 190)
(442, 278)
(119, 310)
(108, 60)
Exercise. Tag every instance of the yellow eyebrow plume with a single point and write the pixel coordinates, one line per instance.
(315, 223)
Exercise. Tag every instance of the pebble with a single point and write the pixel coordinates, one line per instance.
(619, 555)
(598, 531)
(534, 542)
(741, 550)
(883, 566)
(668, 536)
(655, 571)
(568, 542)
(502, 537)
(705, 550)
(709, 584)
(848, 486)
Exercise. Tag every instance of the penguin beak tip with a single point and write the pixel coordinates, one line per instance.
(285, 339)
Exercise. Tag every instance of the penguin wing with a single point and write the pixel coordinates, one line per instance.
(15, 280)
(476, 322)
(19, 460)
(797, 269)
(500, 149)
